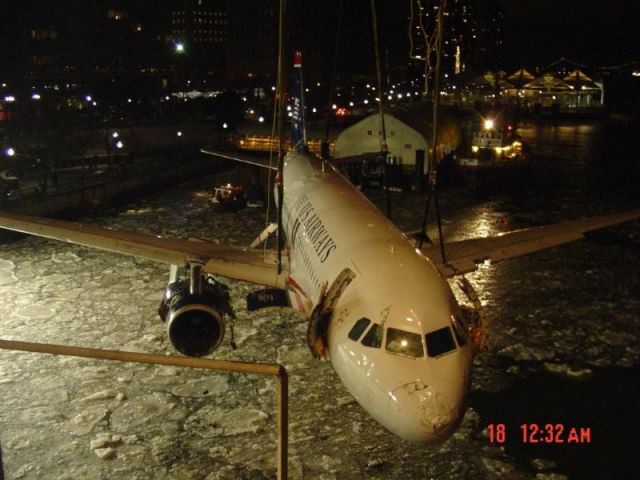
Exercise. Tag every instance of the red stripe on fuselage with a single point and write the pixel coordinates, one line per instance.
(298, 291)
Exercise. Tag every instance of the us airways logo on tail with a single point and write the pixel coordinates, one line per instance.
(298, 133)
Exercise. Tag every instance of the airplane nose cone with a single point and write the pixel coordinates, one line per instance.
(425, 413)
(436, 413)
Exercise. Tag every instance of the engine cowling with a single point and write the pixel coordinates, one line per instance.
(195, 322)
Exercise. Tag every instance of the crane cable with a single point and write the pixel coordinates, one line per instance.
(275, 126)
(383, 145)
(478, 324)
(281, 142)
(429, 41)
(431, 175)
(332, 82)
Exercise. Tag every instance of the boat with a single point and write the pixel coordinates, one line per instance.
(230, 197)
(495, 159)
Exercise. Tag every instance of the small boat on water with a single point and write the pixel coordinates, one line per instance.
(230, 197)
(494, 159)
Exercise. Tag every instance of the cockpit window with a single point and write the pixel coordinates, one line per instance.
(358, 328)
(440, 342)
(373, 338)
(404, 343)
(459, 330)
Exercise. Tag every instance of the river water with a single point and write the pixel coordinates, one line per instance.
(564, 345)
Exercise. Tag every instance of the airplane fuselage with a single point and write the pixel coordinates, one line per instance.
(394, 338)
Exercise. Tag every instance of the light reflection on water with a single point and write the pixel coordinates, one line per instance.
(577, 170)
(575, 143)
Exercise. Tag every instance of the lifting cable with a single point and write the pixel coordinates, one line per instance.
(429, 41)
(275, 125)
(325, 148)
(383, 144)
(431, 175)
(280, 97)
(478, 323)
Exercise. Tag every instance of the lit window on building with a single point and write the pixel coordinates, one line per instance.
(44, 34)
(115, 14)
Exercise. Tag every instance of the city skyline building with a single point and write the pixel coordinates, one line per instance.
(472, 38)
(199, 33)
(213, 40)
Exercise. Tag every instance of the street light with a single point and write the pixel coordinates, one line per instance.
(179, 47)
(10, 152)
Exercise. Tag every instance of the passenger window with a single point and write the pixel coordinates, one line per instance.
(404, 343)
(359, 327)
(373, 338)
(440, 342)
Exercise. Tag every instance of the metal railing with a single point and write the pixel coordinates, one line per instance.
(66, 180)
(269, 369)
(267, 143)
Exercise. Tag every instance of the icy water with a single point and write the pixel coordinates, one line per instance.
(565, 346)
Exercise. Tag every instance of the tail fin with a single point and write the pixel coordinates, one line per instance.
(298, 132)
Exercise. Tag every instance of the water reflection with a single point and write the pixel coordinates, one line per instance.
(599, 159)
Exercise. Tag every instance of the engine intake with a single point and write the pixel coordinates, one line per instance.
(195, 322)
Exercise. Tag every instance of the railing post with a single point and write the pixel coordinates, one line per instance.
(282, 433)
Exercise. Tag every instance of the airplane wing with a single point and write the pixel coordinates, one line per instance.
(231, 262)
(256, 161)
(465, 255)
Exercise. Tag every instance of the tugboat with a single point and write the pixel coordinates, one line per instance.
(495, 159)
(230, 197)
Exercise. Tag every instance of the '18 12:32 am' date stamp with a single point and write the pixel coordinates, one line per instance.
(547, 433)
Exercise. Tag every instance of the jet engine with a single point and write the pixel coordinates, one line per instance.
(195, 317)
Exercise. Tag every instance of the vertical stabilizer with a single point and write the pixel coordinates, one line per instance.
(298, 132)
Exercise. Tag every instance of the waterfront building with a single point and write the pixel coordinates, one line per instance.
(569, 93)
(409, 132)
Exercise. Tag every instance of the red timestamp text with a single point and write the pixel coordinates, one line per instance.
(541, 433)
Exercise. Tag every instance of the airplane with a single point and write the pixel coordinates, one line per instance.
(380, 309)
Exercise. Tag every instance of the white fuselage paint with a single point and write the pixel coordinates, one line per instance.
(331, 226)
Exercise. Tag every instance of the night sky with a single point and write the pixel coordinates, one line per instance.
(537, 32)
(313, 26)
(593, 32)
